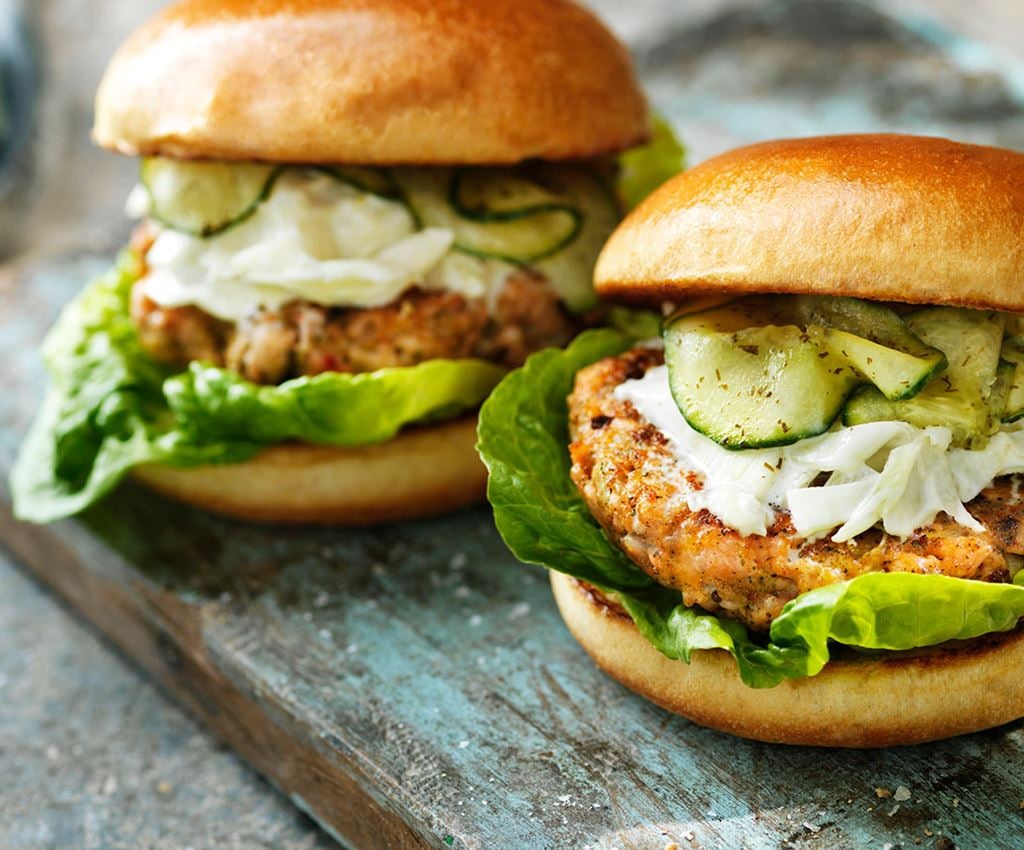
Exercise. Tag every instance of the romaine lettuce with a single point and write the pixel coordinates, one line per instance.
(645, 168)
(110, 407)
(542, 518)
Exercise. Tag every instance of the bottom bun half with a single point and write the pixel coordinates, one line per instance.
(425, 471)
(865, 701)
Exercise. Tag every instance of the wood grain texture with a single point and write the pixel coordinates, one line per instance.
(95, 757)
(413, 686)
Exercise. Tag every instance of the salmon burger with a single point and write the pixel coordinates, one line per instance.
(794, 513)
(353, 218)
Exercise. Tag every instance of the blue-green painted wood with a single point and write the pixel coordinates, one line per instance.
(422, 665)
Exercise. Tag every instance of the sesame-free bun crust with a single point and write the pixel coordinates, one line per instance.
(883, 217)
(423, 472)
(371, 82)
(883, 701)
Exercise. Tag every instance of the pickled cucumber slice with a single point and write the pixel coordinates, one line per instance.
(1015, 328)
(961, 398)
(897, 374)
(754, 387)
(205, 198)
(553, 218)
(375, 181)
(1012, 354)
(767, 371)
(875, 340)
(494, 213)
(571, 269)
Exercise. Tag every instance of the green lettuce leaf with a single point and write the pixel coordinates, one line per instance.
(875, 611)
(330, 408)
(523, 441)
(110, 407)
(639, 324)
(543, 520)
(644, 169)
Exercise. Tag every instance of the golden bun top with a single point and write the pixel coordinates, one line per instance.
(884, 217)
(427, 82)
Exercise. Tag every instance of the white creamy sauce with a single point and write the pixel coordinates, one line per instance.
(314, 239)
(888, 474)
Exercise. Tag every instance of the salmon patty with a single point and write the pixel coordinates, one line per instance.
(629, 478)
(302, 338)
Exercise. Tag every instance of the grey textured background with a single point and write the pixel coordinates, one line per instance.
(93, 756)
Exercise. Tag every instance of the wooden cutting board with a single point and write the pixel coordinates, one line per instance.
(413, 686)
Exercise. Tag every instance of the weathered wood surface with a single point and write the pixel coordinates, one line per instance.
(412, 686)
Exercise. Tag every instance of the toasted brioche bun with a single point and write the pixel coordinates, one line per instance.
(423, 472)
(372, 82)
(890, 218)
(881, 701)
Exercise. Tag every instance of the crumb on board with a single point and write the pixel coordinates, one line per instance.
(883, 793)
(519, 611)
(902, 794)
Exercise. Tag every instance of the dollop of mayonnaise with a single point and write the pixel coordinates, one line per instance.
(315, 239)
(889, 474)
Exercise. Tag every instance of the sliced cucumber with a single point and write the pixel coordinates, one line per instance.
(875, 340)
(571, 270)
(970, 339)
(768, 371)
(554, 218)
(870, 337)
(961, 397)
(518, 228)
(375, 181)
(897, 374)
(205, 198)
(757, 386)
(999, 398)
(1013, 354)
(867, 319)
(503, 194)
(929, 407)
(1015, 328)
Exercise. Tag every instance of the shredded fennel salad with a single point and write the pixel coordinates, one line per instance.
(315, 239)
(890, 474)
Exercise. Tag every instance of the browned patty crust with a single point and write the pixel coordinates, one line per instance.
(302, 338)
(619, 463)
